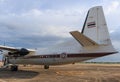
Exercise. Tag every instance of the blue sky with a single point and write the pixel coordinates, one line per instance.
(42, 23)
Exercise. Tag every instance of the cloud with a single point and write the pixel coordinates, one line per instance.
(2, 0)
(115, 34)
(43, 22)
(36, 24)
(112, 16)
(22, 20)
(112, 7)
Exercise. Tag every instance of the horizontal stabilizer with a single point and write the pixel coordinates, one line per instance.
(82, 39)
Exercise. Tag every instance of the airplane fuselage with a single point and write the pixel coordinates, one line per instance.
(56, 59)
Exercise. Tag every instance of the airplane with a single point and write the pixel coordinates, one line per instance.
(92, 42)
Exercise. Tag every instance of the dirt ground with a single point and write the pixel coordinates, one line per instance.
(63, 73)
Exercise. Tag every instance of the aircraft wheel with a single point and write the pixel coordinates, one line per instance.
(46, 66)
(14, 68)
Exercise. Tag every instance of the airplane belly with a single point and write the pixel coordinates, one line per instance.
(49, 61)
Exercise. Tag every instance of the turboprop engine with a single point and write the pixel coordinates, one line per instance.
(19, 53)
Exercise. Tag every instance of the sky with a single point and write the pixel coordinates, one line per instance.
(43, 23)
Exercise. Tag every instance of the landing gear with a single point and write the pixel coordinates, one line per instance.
(6, 61)
(13, 67)
(7, 64)
(46, 66)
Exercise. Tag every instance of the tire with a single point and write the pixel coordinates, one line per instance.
(14, 68)
(46, 66)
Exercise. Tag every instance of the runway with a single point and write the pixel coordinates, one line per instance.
(63, 73)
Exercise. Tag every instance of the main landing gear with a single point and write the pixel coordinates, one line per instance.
(14, 67)
(46, 66)
(6, 64)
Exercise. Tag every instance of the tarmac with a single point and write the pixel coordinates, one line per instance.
(63, 73)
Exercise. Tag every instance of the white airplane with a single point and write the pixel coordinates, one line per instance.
(92, 42)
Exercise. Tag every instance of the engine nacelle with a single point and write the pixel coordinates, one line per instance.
(19, 53)
(23, 52)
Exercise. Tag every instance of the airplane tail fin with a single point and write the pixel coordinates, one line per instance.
(94, 32)
(95, 26)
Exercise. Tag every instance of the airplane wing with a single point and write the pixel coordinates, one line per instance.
(13, 48)
(8, 48)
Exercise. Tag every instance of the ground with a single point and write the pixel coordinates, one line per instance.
(63, 73)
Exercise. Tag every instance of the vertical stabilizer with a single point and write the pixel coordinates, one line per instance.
(95, 26)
